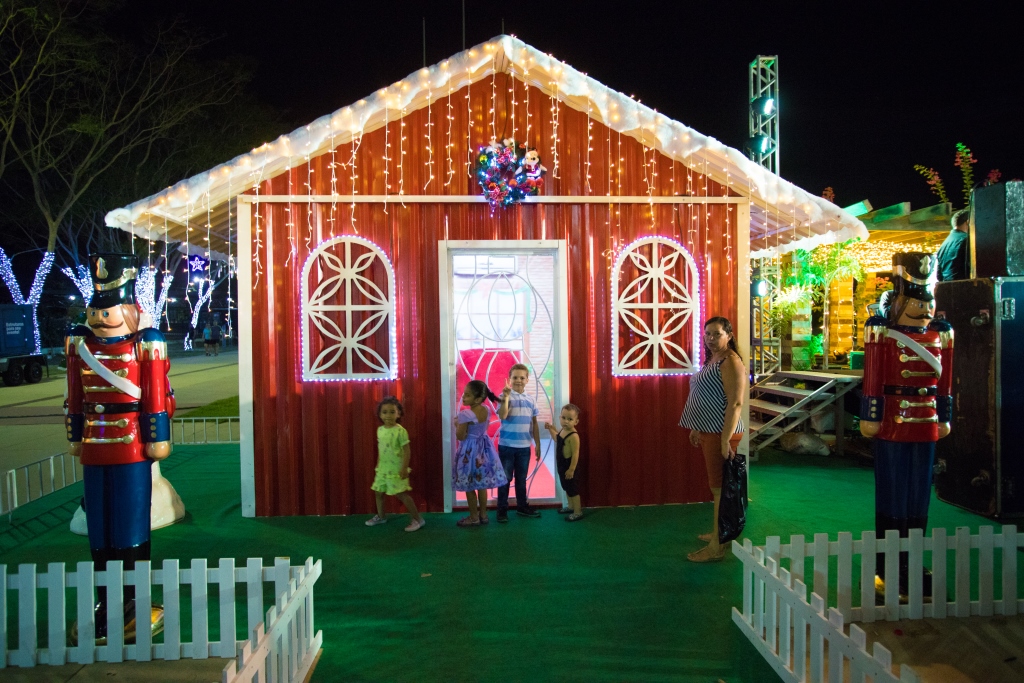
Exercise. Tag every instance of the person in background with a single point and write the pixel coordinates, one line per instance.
(712, 414)
(215, 333)
(207, 334)
(953, 264)
(567, 457)
(518, 413)
(392, 474)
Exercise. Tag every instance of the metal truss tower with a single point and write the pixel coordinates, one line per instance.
(763, 147)
(764, 112)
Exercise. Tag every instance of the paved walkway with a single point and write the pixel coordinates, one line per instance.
(32, 415)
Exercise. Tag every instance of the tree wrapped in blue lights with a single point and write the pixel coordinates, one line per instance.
(506, 178)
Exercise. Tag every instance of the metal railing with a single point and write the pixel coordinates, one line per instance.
(192, 430)
(33, 481)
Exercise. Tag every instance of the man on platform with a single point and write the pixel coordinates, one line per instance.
(118, 408)
(907, 403)
(953, 252)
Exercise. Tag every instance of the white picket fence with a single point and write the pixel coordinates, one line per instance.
(788, 630)
(281, 641)
(196, 430)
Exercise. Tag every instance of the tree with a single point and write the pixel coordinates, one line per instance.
(77, 103)
(823, 266)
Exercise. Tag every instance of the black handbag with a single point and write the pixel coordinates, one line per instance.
(732, 508)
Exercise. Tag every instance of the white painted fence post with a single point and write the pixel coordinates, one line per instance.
(3, 616)
(113, 577)
(771, 602)
(200, 617)
(892, 574)
(821, 564)
(963, 571)
(785, 622)
(26, 653)
(835, 650)
(142, 579)
(254, 592)
(800, 634)
(940, 600)
(797, 553)
(1009, 570)
(915, 568)
(844, 575)
(226, 574)
(817, 639)
(172, 611)
(860, 641)
(55, 600)
(748, 582)
(759, 596)
(986, 544)
(868, 558)
(85, 650)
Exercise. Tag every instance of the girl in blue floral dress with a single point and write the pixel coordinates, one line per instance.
(476, 466)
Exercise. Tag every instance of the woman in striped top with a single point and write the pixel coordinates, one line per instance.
(712, 414)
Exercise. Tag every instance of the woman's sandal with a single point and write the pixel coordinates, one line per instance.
(574, 517)
(468, 521)
(706, 555)
(704, 538)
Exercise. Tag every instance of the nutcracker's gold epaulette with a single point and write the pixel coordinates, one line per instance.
(945, 332)
(876, 329)
(151, 345)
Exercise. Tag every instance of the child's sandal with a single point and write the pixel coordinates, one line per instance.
(574, 517)
(468, 521)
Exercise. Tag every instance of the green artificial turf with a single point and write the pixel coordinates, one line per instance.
(611, 598)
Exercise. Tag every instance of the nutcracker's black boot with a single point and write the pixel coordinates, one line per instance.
(926, 579)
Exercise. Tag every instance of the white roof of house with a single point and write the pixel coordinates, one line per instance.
(783, 216)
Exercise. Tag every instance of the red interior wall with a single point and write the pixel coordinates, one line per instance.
(315, 442)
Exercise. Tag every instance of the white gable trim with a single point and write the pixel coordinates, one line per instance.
(784, 204)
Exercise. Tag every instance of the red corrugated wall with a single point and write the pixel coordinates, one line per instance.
(315, 442)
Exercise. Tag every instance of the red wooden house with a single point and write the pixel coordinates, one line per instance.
(369, 263)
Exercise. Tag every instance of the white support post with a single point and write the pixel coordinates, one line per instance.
(963, 572)
(940, 603)
(245, 368)
(986, 568)
(742, 266)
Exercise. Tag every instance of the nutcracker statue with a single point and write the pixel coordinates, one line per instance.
(119, 405)
(907, 402)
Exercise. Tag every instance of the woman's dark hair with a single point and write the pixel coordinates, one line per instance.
(727, 328)
(390, 401)
(478, 388)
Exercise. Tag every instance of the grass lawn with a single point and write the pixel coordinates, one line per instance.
(226, 407)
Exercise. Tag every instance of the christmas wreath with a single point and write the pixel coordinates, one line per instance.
(506, 178)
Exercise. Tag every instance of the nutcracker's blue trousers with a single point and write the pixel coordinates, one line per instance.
(117, 504)
(903, 479)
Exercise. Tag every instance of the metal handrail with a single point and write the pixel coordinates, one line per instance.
(36, 480)
(30, 482)
(195, 430)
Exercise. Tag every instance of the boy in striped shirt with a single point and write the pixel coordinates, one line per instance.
(518, 413)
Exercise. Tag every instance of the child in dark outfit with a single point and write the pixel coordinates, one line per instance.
(567, 455)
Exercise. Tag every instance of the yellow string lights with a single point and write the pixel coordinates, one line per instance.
(429, 163)
(450, 111)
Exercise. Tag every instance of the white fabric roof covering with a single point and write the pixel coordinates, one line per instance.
(783, 216)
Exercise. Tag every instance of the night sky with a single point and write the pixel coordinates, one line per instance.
(865, 92)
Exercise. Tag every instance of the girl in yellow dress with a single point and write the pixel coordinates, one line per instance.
(392, 476)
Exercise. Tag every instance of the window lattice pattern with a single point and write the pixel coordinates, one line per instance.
(655, 309)
(348, 312)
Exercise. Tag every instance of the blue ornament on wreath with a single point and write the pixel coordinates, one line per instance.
(505, 178)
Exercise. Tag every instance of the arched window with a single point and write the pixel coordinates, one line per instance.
(655, 310)
(348, 312)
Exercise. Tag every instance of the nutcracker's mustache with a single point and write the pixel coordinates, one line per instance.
(103, 324)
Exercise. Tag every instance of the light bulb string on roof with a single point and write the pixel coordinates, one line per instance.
(590, 143)
(469, 123)
(401, 159)
(429, 163)
(334, 173)
(309, 193)
(450, 110)
(494, 97)
(386, 158)
(357, 141)
(289, 218)
(258, 229)
(554, 130)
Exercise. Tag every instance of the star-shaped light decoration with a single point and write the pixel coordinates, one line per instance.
(197, 263)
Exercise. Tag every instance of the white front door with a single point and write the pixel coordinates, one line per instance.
(504, 302)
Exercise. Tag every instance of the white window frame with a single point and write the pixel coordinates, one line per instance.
(625, 303)
(385, 307)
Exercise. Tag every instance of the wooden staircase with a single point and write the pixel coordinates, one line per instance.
(787, 399)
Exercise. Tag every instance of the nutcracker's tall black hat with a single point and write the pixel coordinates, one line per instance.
(912, 275)
(113, 279)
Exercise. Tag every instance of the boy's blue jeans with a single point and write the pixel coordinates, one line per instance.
(516, 462)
